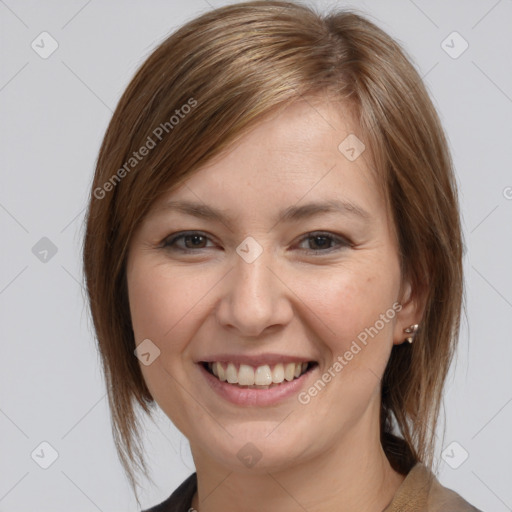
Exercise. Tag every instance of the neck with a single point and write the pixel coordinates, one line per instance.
(348, 476)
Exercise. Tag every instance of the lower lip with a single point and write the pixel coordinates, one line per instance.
(255, 397)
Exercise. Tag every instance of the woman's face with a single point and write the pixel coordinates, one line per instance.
(280, 253)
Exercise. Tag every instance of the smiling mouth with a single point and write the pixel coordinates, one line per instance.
(260, 377)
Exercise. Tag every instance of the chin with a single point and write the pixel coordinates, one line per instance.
(255, 447)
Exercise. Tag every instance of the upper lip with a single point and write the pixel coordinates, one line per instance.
(255, 360)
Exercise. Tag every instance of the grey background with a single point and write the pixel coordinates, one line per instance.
(54, 112)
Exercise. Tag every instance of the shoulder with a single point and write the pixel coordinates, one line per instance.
(419, 492)
(422, 492)
(440, 497)
(180, 500)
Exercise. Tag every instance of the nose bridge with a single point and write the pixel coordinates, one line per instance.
(254, 298)
(253, 278)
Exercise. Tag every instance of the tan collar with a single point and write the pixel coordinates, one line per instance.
(422, 492)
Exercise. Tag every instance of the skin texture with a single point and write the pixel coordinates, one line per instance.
(291, 300)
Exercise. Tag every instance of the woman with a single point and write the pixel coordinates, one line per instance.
(273, 256)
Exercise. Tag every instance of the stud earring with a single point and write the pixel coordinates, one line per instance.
(412, 331)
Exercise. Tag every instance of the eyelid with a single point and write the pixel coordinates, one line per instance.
(342, 241)
(170, 239)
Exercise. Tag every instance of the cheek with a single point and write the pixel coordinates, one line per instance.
(354, 315)
(162, 306)
(352, 311)
(160, 300)
(348, 300)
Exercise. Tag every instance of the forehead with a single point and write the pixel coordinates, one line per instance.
(310, 150)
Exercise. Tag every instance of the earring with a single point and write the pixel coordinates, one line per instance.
(412, 331)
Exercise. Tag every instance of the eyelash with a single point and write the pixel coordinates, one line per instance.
(169, 242)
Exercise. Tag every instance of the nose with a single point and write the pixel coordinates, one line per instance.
(254, 298)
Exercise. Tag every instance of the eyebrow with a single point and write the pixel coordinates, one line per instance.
(293, 213)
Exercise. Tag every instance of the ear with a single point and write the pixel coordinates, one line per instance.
(413, 302)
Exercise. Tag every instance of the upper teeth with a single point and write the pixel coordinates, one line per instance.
(264, 375)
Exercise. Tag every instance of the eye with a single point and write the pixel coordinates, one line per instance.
(194, 241)
(321, 242)
(186, 241)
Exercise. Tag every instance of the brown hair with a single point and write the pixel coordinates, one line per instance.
(230, 67)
